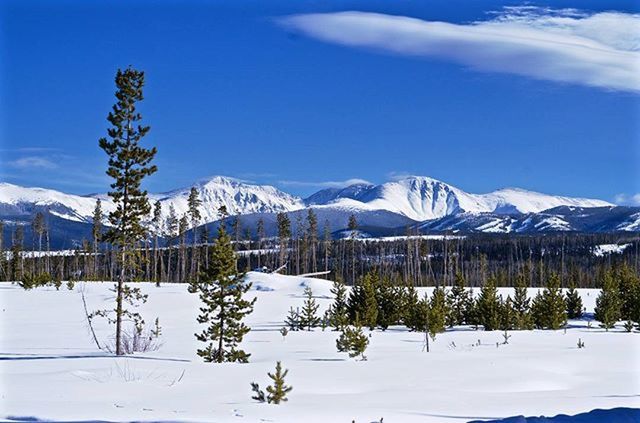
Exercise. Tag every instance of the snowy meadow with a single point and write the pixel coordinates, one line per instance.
(50, 368)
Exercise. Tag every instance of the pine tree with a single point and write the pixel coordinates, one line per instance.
(278, 391)
(412, 315)
(489, 305)
(549, 308)
(312, 236)
(284, 233)
(353, 228)
(508, 315)
(574, 302)
(194, 203)
(521, 304)
(629, 289)
(156, 222)
(96, 234)
(338, 312)
(17, 261)
(389, 301)
(353, 341)
(370, 310)
(129, 164)
(172, 233)
(221, 290)
(438, 311)
(608, 304)
(293, 319)
(309, 318)
(183, 227)
(458, 302)
(3, 258)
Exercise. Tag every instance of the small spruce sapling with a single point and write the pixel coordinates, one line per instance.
(293, 319)
(308, 317)
(353, 341)
(278, 391)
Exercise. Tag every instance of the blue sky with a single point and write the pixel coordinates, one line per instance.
(297, 96)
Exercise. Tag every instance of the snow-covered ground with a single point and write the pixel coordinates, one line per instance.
(605, 249)
(50, 369)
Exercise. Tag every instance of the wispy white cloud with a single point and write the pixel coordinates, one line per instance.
(32, 162)
(324, 184)
(627, 200)
(600, 50)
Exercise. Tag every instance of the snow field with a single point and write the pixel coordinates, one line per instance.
(50, 369)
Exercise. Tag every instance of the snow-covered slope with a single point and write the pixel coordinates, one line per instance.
(17, 200)
(238, 197)
(422, 198)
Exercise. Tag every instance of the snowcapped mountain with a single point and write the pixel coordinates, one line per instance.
(422, 198)
(424, 203)
(237, 196)
(17, 200)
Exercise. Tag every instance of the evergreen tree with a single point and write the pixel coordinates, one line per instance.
(362, 301)
(338, 312)
(412, 315)
(489, 305)
(183, 227)
(508, 315)
(284, 233)
(521, 304)
(608, 304)
(221, 290)
(309, 318)
(353, 227)
(278, 391)
(353, 341)
(549, 308)
(312, 236)
(96, 234)
(3, 257)
(458, 302)
(17, 260)
(389, 301)
(293, 319)
(438, 311)
(156, 222)
(193, 204)
(129, 164)
(628, 289)
(574, 302)
(172, 233)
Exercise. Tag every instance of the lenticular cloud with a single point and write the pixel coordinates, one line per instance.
(599, 50)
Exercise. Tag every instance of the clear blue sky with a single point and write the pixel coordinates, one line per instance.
(232, 90)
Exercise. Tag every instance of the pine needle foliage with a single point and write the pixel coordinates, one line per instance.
(129, 163)
(221, 288)
(308, 317)
(277, 392)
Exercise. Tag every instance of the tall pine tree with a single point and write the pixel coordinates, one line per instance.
(129, 164)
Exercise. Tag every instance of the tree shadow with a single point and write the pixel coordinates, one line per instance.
(31, 357)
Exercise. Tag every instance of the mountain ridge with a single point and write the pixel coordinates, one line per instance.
(423, 204)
